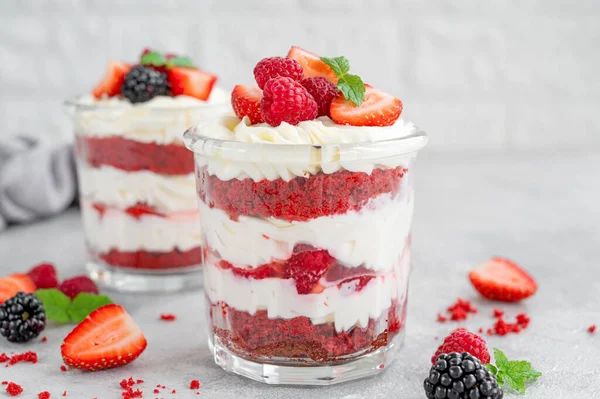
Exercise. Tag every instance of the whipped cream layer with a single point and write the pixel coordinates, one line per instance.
(114, 229)
(344, 306)
(373, 237)
(112, 186)
(161, 120)
(320, 152)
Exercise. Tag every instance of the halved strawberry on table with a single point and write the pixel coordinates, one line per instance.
(190, 82)
(502, 280)
(378, 109)
(14, 283)
(113, 79)
(312, 64)
(107, 338)
(245, 101)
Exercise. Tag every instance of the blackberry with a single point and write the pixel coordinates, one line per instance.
(143, 83)
(22, 317)
(461, 376)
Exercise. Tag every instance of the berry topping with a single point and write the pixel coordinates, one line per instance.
(73, 286)
(377, 109)
(22, 318)
(312, 64)
(269, 68)
(143, 83)
(286, 100)
(245, 101)
(461, 340)
(44, 276)
(107, 338)
(14, 283)
(191, 82)
(502, 280)
(460, 375)
(323, 91)
(113, 79)
(307, 268)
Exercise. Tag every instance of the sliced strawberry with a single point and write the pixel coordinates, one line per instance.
(107, 338)
(502, 280)
(245, 101)
(312, 64)
(12, 284)
(113, 79)
(378, 109)
(191, 82)
(44, 275)
(307, 268)
(73, 286)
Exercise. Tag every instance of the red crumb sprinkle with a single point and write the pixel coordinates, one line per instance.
(156, 390)
(4, 358)
(65, 393)
(63, 368)
(173, 391)
(441, 318)
(168, 317)
(44, 339)
(194, 384)
(501, 327)
(592, 329)
(457, 311)
(30, 357)
(128, 392)
(14, 389)
(44, 395)
(139, 381)
(498, 313)
(4, 382)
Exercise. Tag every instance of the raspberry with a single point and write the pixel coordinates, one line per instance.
(274, 67)
(73, 286)
(323, 91)
(461, 340)
(44, 275)
(286, 100)
(307, 268)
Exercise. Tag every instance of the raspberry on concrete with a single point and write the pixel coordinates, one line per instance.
(461, 340)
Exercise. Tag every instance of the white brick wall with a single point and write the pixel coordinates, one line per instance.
(477, 75)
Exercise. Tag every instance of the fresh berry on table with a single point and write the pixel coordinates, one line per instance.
(73, 286)
(500, 279)
(461, 340)
(44, 275)
(22, 317)
(12, 284)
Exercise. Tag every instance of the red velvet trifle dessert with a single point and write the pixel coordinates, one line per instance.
(306, 202)
(136, 178)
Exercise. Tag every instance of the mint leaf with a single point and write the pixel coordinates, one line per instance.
(515, 373)
(85, 303)
(515, 383)
(492, 368)
(501, 359)
(154, 58)
(56, 304)
(351, 86)
(339, 65)
(180, 61)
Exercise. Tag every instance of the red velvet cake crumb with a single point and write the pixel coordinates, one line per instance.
(44, 339)
(131, 156)
(498, 313)
(44, 395)
(64, 393)
(153, 260)
(457, 311)
(194, 384)
(4, 382)
(63, 368)
(592, 329)
(501, 327)
(300, 199)
(30, 357)
(441, 318)
(168, 317)
(14, 389)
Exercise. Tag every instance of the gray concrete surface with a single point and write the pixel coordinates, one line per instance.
(543, 212)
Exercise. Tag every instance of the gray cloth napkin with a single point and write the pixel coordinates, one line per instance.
(37, 179)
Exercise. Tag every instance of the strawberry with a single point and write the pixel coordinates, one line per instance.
(44, 275)
(502, 280)
(73, 286)
(377, 109)
(12, 284)
(191, 82)
(307, 268)
(107, 338)
(245, 101)
(312, 64)
(113, 79)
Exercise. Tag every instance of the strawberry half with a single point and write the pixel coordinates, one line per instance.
(113, 79)
(12, 284)
(312, 64)
(107, 338)
(245, 101)
(377, 109)
(500, 279)
(191, 82)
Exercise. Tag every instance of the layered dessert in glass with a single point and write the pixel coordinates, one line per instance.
(306, 202)
(136, 178)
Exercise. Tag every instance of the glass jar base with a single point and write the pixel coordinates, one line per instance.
(140, 281)
(367, 365)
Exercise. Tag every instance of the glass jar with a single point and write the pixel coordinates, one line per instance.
(307, 255)
(137, 194)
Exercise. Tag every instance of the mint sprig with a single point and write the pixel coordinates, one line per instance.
(351, 86)
(180, 61)
(153, 58)
(515, 373)
(60, 308)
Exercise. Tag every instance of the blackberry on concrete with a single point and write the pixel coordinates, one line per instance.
(460, 376)
(22, 317)
(143, 83)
